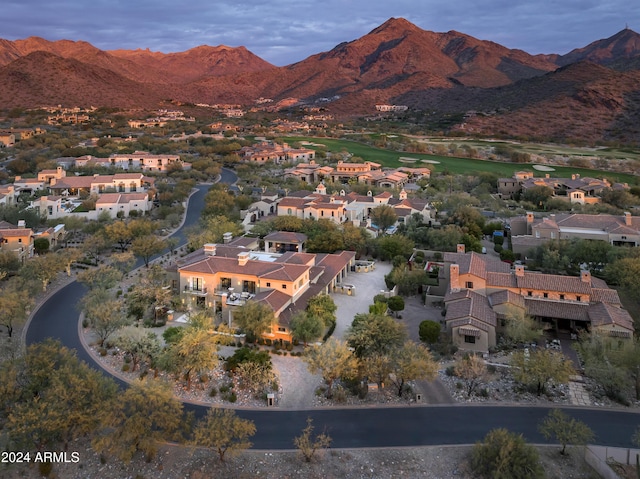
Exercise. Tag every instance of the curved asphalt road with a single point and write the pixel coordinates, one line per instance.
(350, 427)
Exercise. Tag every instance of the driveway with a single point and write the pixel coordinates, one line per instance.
(367, 286)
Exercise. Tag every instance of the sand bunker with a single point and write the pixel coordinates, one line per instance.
(433, 162)
(543, 168)
(404, 159)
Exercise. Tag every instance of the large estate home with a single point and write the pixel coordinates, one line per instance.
(576, 190)
(528, 232)
(349, 206)
(221, 277)
(136, 161)
(483, 291)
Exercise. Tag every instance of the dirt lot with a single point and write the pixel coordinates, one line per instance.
(172, 462)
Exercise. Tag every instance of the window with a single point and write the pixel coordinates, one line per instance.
(468, 285)
(562, 296)
(289, 211)
(197, 284)
(546, 295)
(268, 285)
(225, 283)
(281, 329)
(537, 234)
(529, 293)
(553, 235)
(284, 286)
(469, 339)
(578, 298)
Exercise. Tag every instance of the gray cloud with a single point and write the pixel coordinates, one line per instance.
(286, 31)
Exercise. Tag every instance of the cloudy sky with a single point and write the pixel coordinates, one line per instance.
(287, 31)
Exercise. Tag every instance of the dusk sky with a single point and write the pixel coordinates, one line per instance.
(286, 31)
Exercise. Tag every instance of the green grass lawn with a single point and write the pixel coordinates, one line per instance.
(457, 166)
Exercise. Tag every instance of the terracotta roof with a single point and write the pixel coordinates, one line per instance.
(297, 258)
(15, 232)
(275, 299)
(557, 309)
(286, 237)
(502, 280)
(474, 306)
(260, 269)
(604, 314)
(476, 264)
(294, 202)
(506, 297)
(605, 295)
(553, 282)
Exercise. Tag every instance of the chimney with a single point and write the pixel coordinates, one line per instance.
(547, 176)
(460, 248)
(454, 277)
(227, 237)
(627, 218)
(243, 258)
(53, 181)
(573, 177)
(529, 217)
(210, 249)
(585, 276)
(520, 271)
(22, 224)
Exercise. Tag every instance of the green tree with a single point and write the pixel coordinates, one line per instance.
(195, 353)
(429, 331)
(147, 246)
(42, 269)
(254, 318)
(505, 455)
(224, 432)
(333, 360)
(308, 444)
(538, 195)
(139, 344)
(323, 307)
(145, 414)
(375, 334)
(520, 328)
(389, 247)
(396, 304)
(212, 230)
(383, 217)
(411, 362)
(15, 301)
(306, 327)
(105, 314)
(565, 430)
(48, 396)
(539, 367)
(103, 277)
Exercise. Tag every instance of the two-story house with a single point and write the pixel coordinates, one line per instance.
(481, 289)
(221, 277)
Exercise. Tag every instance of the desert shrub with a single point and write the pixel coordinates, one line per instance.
(125, 367)
(102, 352)
(429, 331)
(213, 392)
(505, 455)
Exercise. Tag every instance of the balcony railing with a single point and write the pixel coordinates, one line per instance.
(195, 291)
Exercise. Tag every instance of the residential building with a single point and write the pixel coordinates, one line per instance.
(483, 289)
(120, 205)
(528, 232)
(118, 182)
(17, 240)
(222, 277)
(7, 138)
(575, 190)
(277, 153)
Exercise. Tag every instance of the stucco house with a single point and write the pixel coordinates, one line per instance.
(221, 277)
(482, 289)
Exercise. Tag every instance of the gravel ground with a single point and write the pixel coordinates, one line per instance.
(437, 462)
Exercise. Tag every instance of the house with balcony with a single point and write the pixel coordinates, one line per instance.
(222, 277)
(482, 289)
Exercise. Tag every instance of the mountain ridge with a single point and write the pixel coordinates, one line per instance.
(396, 62)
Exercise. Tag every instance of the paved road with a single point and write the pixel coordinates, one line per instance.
(353, 427)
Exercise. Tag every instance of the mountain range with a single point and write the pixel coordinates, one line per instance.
(590, 93)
